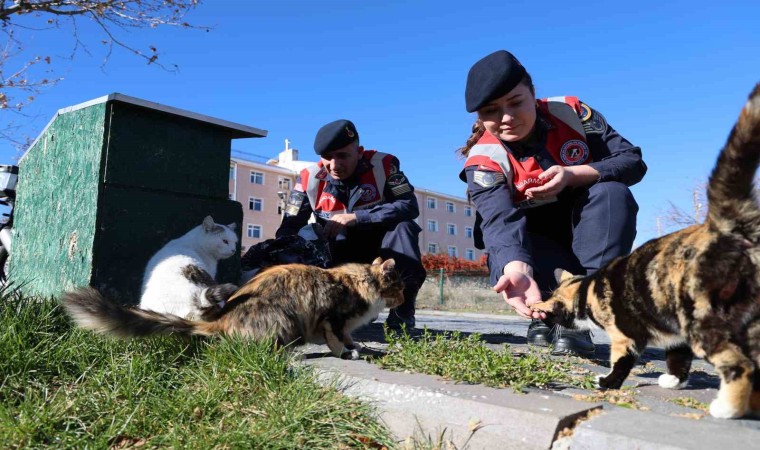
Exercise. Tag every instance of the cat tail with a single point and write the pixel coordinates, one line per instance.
(732, 203)
(90, 310)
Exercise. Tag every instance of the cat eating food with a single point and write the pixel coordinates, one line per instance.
(291, 304)
(695, 291)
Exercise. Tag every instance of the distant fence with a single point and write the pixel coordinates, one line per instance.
(458, 290)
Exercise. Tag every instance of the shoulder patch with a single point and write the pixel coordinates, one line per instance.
(398, 183)
(593, 121)
(488, 179)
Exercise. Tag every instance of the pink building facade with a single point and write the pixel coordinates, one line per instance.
(262, 188)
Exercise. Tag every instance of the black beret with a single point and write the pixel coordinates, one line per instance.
(491, 77)
(335, 135)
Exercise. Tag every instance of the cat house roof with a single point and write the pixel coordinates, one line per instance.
(236, 130)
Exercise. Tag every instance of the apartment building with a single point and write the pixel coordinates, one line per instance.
(263, 188)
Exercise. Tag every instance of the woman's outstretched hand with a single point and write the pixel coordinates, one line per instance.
(520, 291)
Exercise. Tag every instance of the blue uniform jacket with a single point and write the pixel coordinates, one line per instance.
(502, 229)
(393, 210)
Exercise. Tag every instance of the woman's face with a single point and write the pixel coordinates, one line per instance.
(512, 116)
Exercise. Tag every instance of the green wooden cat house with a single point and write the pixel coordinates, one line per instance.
(107, 183)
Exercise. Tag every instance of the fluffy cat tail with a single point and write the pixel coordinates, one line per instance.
(732, 202)
(90, 310)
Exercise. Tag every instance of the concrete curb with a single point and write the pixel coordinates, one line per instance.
(421, 405)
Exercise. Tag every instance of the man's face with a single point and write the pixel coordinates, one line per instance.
(341, 162)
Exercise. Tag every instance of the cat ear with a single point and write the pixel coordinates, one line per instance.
(232, 226)
(208, 224)
(561, 275)
(388, 265)
(377, 261)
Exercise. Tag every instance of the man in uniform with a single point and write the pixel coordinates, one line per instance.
(366, 206)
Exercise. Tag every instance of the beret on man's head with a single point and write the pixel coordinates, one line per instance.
(490, 78)
(335, 135)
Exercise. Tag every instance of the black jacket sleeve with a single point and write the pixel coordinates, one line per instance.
(296, 214)
(615, 158)
(504, 226)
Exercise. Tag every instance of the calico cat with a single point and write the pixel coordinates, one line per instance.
(291, 303)
(696, 291)
(179, 278)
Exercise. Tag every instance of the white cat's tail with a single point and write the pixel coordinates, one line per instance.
(92, 311)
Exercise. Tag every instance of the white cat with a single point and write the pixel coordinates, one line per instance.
(179, 278)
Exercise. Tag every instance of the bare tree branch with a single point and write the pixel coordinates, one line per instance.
(23, 77)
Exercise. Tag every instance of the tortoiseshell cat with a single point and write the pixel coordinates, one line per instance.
(291, 303)
(696, 291)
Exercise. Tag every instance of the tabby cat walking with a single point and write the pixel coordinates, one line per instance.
(695, 291)
(292, 304)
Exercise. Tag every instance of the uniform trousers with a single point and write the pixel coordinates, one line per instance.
(587, 228)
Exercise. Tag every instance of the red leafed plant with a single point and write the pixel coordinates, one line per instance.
(451, 265)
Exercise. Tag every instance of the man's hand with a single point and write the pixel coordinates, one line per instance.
(338, 223)
(520, 291)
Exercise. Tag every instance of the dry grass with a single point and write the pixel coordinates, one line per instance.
(466, 294)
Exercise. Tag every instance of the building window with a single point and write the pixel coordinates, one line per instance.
(469, 254)
(283, 184)
(432, 225)
(257, 177)
(254, 231)
(432, 247)
(450, 207)
(468, 232)
(232, 172)
(255, 204)
(451, 229)
(452, 251)
(432, 203)
(468, 211)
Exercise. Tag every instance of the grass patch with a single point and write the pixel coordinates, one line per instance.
(690, 402)
(468, 359)
(66, 388)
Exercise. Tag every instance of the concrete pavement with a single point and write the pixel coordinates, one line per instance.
(479, 417)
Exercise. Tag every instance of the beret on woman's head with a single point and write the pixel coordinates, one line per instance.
(490, 78)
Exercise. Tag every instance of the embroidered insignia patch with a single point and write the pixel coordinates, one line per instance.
(595, 125)
(296, 199)
(585, 113)
(369, 192)
(399, 184)
(396, 179)
(292, 210)
(488, 179)
(573, 152)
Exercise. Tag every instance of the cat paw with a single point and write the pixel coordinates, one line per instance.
(350, 354)
(721, 409)
(668, 381)
(605, 382)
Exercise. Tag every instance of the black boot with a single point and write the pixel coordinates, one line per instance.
(539, 333)
(573, 342)
(396, 321)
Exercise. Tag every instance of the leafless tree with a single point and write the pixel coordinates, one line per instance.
(23, 77)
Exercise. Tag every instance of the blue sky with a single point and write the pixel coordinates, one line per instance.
(669, 76)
